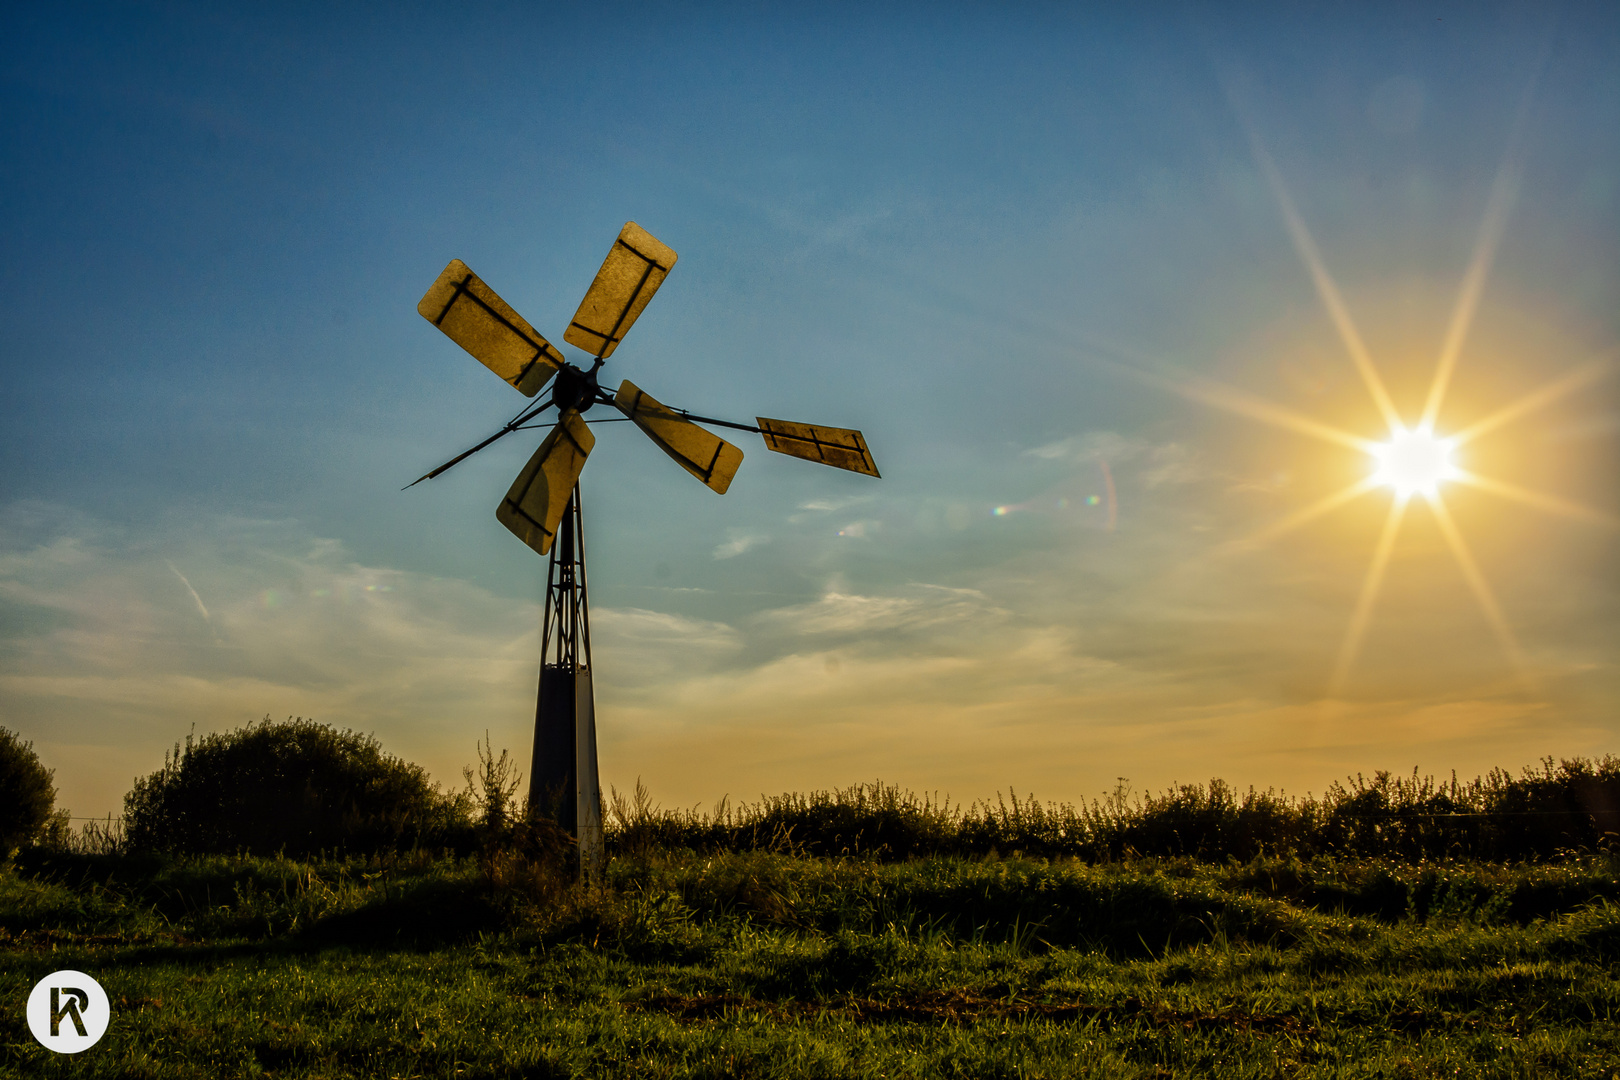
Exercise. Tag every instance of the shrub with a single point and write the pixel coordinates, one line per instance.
(874, 819)
(524, 856)
(296, 787)
(27, 797)
(492, 791)
(1541, 814)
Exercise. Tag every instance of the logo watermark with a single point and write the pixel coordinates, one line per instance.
(68, 1012)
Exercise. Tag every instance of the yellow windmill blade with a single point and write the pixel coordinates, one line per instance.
(842, 448)
(470, 313)
(634, 268)
(702, 453)
(534, 506)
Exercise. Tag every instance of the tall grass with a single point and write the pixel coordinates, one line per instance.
(869, 931)
(1546, 811)
(762, 964)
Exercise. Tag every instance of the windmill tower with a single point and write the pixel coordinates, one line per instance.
(543, 508)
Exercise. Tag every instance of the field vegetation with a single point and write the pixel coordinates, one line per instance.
(1397, 926)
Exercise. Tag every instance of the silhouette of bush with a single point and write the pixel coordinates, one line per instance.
(296, 787)
(874, 819)
(865, 819)
(27, 797)
(1215, 823)
(1542, 814)
(524, 856)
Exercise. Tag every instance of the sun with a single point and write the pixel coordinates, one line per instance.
(1414, 462)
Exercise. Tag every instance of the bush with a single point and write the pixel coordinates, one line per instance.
(874, 819)
(295, 787)
(1543, 814)
(523, 855)
(27, 796)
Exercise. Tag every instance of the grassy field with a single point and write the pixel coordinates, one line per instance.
(783, 964)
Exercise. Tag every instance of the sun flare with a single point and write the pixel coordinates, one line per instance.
(1414, 462)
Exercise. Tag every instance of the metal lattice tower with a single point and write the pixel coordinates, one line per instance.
(563, 781)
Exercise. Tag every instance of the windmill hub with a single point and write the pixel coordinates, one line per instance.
(576, 389)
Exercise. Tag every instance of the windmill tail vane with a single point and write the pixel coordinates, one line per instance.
(543, 503)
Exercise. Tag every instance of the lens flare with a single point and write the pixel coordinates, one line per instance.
(1414, 462)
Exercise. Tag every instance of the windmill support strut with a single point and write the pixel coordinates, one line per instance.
(563, 780)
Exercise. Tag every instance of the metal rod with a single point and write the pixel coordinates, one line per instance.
(605, 399)
(722, 423)
(515, 424)
(592, 420)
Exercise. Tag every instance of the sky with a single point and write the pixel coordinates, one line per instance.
(1123, 297)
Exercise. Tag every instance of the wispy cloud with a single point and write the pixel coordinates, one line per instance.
(200, 605)
(102, 650)
(835, 504)
(1090, 446)
(1022, 673)
(739, 542)
(850, 614)
(1157, 463)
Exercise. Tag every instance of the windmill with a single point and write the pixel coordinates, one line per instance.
(542, 508)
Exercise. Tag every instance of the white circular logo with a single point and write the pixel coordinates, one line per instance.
(68, 1012)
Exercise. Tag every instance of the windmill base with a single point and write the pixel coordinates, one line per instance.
(563, 781)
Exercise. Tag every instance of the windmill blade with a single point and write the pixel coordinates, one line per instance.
(842, 448)
(631, 273)
(470, 313)
(534, 507)
(702, 453)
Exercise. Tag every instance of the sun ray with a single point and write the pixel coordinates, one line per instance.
(1308, 514)
(1587, 373)
(1462, 317)
(1538, 499)
(1326, 288)
(1412, 460)
(1503, 190)
(1481, 589)
(1369, 595)
(1255, 408)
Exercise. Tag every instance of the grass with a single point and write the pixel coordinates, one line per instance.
(760, 963)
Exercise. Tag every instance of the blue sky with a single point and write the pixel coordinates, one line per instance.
(1032, 251)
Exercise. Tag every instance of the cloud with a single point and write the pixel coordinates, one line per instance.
(739, 542)
(645, 649)
(918, 606)
(835, 504)
(1090, 446)
(1172, 463)
(183, 580)
(1056, 669)
(814, 507)
(1159, 464)
(102, 650)
(836, 613)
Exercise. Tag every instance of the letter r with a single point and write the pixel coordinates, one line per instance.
(70, 1010)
